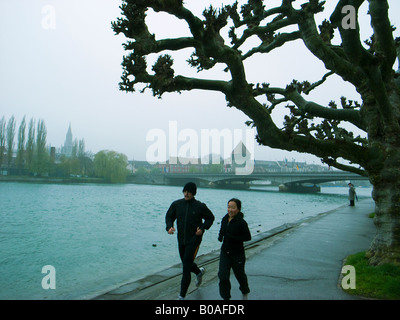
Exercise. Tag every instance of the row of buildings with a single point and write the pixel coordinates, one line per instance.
(215, 164)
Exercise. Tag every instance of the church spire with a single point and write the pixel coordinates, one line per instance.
(67, 148)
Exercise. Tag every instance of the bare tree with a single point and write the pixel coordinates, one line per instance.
(309, 127)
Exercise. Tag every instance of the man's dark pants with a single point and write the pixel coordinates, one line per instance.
(188, 253)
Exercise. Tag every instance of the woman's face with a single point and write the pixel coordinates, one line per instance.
(232, 209)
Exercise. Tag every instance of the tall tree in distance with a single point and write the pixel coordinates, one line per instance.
(226, 37)
(21, 144)
(86, 164)
(81, 148)
(2, 139)
(30, 145)
(41, 155)
(10, 140)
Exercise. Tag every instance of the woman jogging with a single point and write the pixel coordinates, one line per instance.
(234, 231)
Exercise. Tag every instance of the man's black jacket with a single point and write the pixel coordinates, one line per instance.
(189, 216)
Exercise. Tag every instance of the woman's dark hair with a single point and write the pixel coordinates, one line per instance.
(238, 203)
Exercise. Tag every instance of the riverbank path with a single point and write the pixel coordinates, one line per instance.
(300, 261)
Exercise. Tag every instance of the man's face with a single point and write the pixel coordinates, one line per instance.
(187, 195)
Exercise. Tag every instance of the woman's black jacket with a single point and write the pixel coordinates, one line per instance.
(233, 234)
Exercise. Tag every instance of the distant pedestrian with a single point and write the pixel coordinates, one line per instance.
(193, 217)
(352, 194)
(234, 231)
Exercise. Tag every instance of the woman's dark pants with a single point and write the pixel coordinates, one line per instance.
(237, 263)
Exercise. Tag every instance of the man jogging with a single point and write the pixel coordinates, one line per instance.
(193, 217)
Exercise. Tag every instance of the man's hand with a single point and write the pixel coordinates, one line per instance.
(171, 230)
(199, 232)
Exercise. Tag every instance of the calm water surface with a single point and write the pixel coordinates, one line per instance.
(98, 237)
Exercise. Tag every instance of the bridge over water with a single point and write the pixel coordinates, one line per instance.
(287, 181)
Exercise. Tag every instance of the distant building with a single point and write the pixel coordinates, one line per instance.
(66, 149)
(240, 157)
(236, 162)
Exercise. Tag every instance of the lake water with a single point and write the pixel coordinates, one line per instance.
(98, 237)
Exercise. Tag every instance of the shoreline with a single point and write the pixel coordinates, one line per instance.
(100, 181)
(78, 180)
(146, 287)
(51, 180)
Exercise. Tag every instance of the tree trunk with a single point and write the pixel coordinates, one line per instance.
(385, 247)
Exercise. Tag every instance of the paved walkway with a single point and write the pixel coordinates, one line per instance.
(294, 262)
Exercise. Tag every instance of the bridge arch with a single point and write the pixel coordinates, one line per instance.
(290, 182)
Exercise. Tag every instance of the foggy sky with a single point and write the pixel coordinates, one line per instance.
(66, 70)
